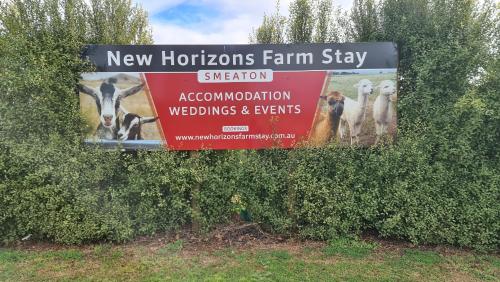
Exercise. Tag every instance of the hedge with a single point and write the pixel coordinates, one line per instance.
(438, 184)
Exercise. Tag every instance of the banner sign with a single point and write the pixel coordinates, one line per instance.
(193, 97)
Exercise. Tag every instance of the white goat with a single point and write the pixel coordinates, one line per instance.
(107, 98)
(382, 108)
(355, 111)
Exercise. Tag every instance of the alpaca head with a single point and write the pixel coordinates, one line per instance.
(364, 86)
(387, 88)
(335, 102)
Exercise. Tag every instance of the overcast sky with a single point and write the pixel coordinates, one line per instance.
(210, 21)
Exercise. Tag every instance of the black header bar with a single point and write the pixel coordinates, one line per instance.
(278, 57)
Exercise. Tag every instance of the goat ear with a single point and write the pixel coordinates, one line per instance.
(132, 90)
(148, 119)
(87, 90)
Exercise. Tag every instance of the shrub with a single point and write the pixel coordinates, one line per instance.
(439, 184)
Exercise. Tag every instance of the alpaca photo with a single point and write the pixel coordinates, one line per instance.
(356, 107)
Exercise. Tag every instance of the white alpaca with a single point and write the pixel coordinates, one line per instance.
(355, 111)
(382, 108)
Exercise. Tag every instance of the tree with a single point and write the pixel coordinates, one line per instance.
(448, 115)
(301, 22)
(43, 40)
(364, 19)
(308, 21)
(51, 185)
(323, 21)
(271, 29)
(118, 22)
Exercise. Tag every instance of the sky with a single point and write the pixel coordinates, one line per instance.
(210, 21)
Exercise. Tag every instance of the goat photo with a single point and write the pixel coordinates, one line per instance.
(117, 107)
(357, 107)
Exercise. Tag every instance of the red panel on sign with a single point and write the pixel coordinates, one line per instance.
(235, 115)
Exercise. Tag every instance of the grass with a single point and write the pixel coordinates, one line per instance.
(171, 248)
(344, 83)
(349, 248)
(339, 260)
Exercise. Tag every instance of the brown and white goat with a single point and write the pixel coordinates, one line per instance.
(131, 127)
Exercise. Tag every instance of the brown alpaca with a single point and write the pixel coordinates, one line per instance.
(326, 125)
